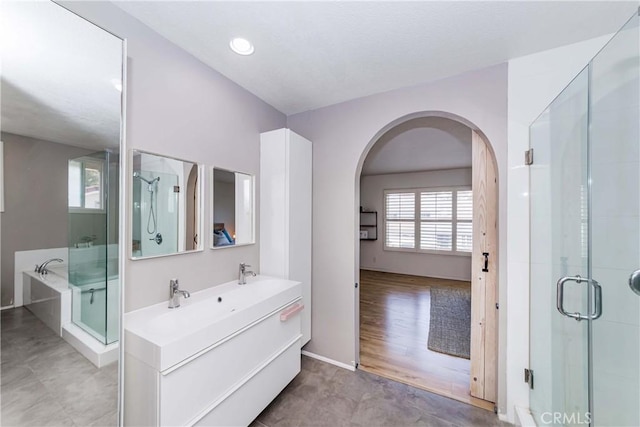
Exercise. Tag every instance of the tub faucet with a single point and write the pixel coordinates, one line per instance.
(242, 273)
(175, 292)
(42, 268)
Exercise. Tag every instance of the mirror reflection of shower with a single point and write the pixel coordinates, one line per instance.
(152, 220)
(168, 224)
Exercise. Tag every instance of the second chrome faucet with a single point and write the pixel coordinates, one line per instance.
(242, 273)
(175, 292)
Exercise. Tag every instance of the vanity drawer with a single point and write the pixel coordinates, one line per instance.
(245, 404)
(199, 384)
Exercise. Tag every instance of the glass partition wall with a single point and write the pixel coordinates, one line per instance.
(585, 244)
(93, 244)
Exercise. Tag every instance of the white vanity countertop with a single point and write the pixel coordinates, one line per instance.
(163, 337)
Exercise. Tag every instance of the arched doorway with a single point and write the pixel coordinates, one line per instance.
(417, 247)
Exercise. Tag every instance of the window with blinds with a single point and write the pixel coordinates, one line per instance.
(429, 220)
(436, 215)
(400, 214)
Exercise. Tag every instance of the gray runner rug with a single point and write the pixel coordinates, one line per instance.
(450, 325)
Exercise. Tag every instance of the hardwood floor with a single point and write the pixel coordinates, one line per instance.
(394, 328)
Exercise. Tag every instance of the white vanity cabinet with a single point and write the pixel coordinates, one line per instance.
(285, 212)
(222, 372)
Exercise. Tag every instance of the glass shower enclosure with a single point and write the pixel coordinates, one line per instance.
(93, 244)
(585, 245)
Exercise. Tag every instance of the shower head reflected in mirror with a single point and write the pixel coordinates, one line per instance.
(152, 221)
(149, 182)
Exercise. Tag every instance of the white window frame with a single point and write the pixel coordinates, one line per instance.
(409, 221)
(418, 220)
(81, 209)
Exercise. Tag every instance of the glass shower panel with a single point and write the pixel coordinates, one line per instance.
(585, 220)
(113, 282)
(91, 203)
(558, 218)
(614, 141)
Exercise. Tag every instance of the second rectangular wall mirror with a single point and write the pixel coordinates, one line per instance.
(232, 209)
(166, 206)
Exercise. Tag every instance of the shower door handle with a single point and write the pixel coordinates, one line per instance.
(597, 292)
(597, 309)
(560, 297)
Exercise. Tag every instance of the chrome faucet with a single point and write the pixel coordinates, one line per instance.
(242, 273)
(175, 292)
(42, 268)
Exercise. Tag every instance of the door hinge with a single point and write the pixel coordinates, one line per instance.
(497, 306)
(356, 285)
(528, 377)
(528, 157)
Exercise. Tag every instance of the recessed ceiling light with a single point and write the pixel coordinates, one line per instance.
(241, 46)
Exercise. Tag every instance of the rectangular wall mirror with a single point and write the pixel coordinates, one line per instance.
(232, 209)
(167, 206)
(61, 108)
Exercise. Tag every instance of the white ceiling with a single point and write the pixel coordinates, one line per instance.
(58, 76)
(58, 70)
(312, 54)
(423, 144)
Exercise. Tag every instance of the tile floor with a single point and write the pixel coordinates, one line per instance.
(45, 382)
(325, 395)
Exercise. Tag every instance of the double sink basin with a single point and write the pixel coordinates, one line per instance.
(164, 338)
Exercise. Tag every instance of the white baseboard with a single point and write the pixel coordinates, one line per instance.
(382, 270)
(6, 307)
(327, 360)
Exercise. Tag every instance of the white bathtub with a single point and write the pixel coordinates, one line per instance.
(48, 297)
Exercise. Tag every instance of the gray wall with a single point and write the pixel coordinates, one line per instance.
(35, 191)
(372, 253)
(178, 106)
(342, 135)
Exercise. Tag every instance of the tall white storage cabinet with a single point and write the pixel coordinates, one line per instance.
(285, 212)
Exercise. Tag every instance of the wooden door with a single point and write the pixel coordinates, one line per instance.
(484, 274)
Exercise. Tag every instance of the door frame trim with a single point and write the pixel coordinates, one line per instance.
(356, 210)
